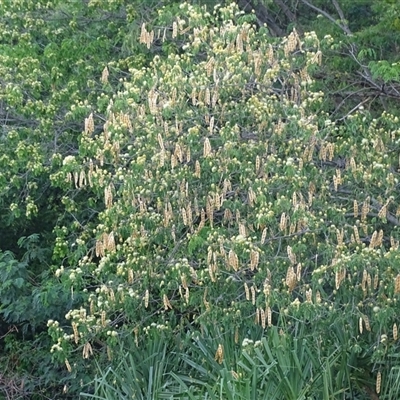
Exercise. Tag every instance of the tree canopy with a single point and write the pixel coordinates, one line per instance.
(199, 173)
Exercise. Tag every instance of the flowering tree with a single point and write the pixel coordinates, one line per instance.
(180, 178)
(221, 194)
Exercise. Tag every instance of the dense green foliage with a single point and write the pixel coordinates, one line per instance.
(193, 203)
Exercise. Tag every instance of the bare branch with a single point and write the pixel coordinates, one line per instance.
(340, 12)
(343, 27)
(354, 109)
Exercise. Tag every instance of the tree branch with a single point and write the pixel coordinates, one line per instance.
(343, 27)
(289, 14)
(340, 12)
(263, 16)
(353, 109)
